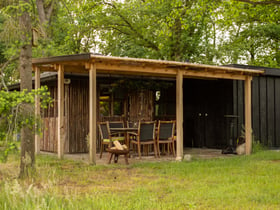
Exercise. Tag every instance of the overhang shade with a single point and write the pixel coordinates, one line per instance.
(135, 66)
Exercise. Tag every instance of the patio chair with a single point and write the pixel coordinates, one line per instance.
(165, 135)
(144, 136)
(131, 124)
(116, 124)
(106, 137)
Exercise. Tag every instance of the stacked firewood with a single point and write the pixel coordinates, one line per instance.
(118, 146)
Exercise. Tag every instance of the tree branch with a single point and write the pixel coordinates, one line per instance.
(49, 10)
(149, 43)
(41, 11)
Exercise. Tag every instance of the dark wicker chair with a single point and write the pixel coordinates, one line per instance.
(165, 135)
(106, 137)
(144, 136)
(116, 124)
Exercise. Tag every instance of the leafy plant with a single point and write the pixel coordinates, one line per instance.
(12, 119)
(11, 147)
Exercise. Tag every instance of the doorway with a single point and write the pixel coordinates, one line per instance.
(206, 102)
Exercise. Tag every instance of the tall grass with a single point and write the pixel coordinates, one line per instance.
(241, 182)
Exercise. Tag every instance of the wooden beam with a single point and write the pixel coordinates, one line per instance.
(179, 115)
(248, 114)
(37, 109)
(135, 69)
(92, 114)
(60, 121)
(216, 75)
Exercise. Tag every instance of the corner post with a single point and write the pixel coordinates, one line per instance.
(37, 109)
(60, 122)
(92, 113)
(248, 114)
(179, 115)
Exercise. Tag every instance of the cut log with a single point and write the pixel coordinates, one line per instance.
(118, 145)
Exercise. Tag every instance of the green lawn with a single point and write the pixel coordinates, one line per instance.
(240, 182)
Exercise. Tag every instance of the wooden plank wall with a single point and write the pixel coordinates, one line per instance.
(265, 109)
(141, 105)
(76, 118)
(78, 115)
(52, 109)
(49, 134)
(49, 123)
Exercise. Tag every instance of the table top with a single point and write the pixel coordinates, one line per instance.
(123, 129)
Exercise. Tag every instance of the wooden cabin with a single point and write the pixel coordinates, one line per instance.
(89, 88)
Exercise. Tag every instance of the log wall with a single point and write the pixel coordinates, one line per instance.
(78, 115)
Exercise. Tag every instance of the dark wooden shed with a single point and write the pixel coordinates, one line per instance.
(265, 106)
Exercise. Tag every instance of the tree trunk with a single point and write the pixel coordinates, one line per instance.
(27, 163)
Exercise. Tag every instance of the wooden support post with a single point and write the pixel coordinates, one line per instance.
(60, 124)
(37, 110)
(179, 115)
(248, 114)
(92, 113)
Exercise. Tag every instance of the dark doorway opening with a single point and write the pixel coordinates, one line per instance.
(206, 103)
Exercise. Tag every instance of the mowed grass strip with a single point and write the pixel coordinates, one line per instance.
(240, 182)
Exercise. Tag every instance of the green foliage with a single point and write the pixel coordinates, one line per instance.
(10, 148)
(11, 117)
(172, 29)
(213, 32)
(249, 33)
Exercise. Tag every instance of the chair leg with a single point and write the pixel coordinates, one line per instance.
(173, 148)
(126, 159)
(158, 150)
(155, 148)
(139, 150)
(168, 145)
(101, 150)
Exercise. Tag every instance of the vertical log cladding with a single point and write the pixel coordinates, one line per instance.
(141, 105)
(265, 109)
(78, 115)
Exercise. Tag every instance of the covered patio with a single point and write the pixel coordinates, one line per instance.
(91, 65)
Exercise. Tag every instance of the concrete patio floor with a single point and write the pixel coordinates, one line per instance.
(195, 153)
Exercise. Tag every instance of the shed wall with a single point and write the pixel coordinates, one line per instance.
(265, 109)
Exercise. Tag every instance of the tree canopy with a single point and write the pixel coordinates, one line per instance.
(211, 32)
